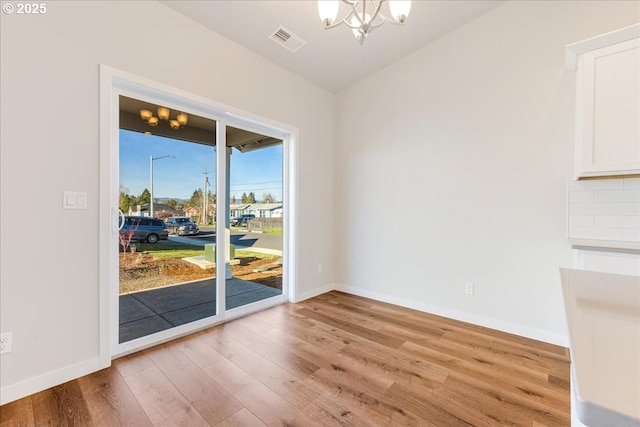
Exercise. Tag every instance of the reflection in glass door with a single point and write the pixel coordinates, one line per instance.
(166, 262)
(255, 211)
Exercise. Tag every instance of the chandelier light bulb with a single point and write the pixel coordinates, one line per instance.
(163, 113)
(174, 124)
(153, 121)
(400, 10)
(145, 115)
(182, 118)
(328, 11)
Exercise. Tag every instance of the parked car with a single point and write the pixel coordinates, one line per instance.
(182, 226)
(242, 220)
(142, 229)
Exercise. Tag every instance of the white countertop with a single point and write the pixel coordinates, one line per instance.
(603, 315)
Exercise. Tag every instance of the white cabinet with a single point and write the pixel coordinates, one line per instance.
(607, 103)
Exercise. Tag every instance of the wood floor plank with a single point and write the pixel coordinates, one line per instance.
(197, 388)
(309, 333)
(282, 357)
(62, 405)
(281, 381)
(132, 363)
(506, 405)
(110, 401)
(328, 358)
(254, 324)
(357, 330)
(197, 351)
(364, 402)
(550, 363)
(447, 349)
(333, 360)
(421, 401)
(400, 322)
(17, 414)
(242, 418)
(501, 376)
(161, 401)
(330, 412)
(271, 408)
(396, 364)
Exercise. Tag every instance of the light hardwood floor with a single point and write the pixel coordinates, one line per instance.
(336, 359)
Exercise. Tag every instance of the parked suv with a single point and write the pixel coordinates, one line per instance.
(242, 220)
(182, 226)
(142, 229)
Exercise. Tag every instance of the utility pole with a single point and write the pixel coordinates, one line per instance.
(204, 196)
(151, 160)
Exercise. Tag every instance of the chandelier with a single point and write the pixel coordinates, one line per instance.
(164, 114)
(365, 15)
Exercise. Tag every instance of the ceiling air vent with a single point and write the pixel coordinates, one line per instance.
(286, 39)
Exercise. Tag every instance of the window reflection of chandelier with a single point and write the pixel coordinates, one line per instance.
(164, 114)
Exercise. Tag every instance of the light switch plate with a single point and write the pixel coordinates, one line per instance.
(74, 200)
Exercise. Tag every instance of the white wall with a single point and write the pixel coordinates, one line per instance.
(50, 134)
(464, 150)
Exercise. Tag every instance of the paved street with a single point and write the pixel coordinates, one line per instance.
(239, 238)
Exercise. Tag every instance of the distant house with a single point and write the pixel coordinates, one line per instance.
(160, 210)
(192, 213)
(238, 209)
(260, 210)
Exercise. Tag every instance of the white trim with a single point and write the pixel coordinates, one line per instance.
(487, 322)
(33, 385)
(106, 251)
(223, 231)
(574, 50)
(315, 292)
(290, 216)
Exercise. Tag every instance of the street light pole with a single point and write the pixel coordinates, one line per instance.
(151, 160)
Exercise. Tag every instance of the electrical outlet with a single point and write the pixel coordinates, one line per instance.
(468, 288)
(5, 342)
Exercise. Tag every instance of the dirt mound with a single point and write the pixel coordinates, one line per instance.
(140, 271)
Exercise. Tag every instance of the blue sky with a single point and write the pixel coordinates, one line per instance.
(259, 171)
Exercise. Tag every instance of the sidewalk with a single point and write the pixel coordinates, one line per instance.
(193, 242)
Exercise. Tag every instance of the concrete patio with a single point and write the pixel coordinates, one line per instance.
(150, 311)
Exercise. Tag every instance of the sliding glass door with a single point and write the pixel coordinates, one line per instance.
(254, 191)
(201, 219)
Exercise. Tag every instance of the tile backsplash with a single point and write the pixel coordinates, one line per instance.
(605, 209)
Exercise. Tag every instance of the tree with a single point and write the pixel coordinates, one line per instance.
(145, 197)
(243, 199)
(125, 199)
(268, 198)
(172, 203)
(251, 198)
(196, 199)
(212, 199)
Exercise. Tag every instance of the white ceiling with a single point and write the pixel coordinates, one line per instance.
(332, 59)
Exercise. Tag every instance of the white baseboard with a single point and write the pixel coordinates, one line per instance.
(34, 385)
(314, 292)
(487, 322)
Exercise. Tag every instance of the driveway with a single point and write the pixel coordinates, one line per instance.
(238, 238)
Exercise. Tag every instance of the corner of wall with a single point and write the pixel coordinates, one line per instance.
(487, 322)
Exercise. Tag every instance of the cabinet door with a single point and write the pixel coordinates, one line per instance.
(608, 111)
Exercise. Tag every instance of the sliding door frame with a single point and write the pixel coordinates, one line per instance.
(113, 84)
